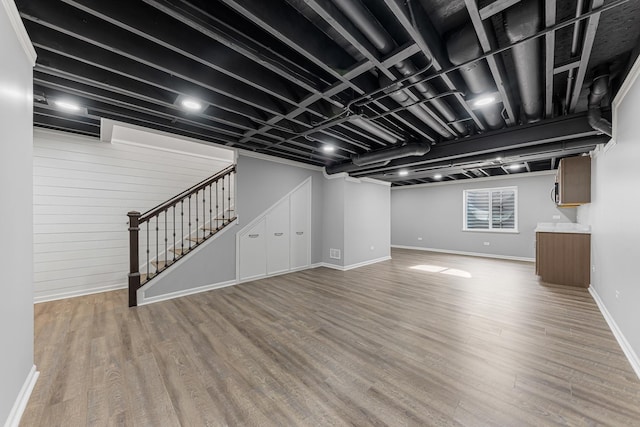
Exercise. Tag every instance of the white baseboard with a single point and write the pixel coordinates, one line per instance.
(351, 266)
(177, 294)
(280, 273)
(53, 296)
(185, 292)
(477, 254)
(23, 398)
(633, 358)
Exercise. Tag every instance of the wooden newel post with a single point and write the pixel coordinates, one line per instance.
(134, 262)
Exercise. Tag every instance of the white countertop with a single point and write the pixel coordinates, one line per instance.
(562, 227)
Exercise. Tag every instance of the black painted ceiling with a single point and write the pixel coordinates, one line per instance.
(286, 77)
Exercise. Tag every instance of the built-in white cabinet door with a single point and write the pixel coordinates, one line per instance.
(253, 253)
(278, 238)
(300, 227)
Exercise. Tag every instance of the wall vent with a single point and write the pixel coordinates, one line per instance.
(334, 253)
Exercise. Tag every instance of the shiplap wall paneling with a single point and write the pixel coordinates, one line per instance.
(83, 190)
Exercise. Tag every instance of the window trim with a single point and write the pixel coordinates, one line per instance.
(514, 230)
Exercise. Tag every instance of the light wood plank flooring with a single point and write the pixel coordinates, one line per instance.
(461, 341)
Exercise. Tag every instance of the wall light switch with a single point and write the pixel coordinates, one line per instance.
(419, 238)
(487, 243)
(373, 247)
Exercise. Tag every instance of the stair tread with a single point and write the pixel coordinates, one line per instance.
(180, 251)
(143, 277)
(162, 263)
(196, 239)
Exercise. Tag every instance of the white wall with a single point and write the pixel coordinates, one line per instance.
(367, 222)
(16, 259)
(356, 220)
(435, 213)
(345, 214)
(333, 206)
(613, 216)
(261, 183)
(83, 189)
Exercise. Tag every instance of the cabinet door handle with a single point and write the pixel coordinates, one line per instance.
(299, 233)
(278, 234)
(253, 236)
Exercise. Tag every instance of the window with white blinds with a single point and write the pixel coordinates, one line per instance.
(491, 209)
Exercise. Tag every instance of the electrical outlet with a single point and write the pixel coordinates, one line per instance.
(556, 217)
(420, 238)
(373, 247)
(617, 294)
(487, 243)
(593, 268)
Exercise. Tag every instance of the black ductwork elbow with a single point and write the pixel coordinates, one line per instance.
(380, 157)
(521, 21)
(599, 89)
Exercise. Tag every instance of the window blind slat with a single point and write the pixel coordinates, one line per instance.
(478, 210)
(490, 209)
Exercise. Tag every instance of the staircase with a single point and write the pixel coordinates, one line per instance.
(168, 232)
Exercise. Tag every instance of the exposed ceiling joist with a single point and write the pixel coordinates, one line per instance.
(496, 67)
(549, 56)
(587, 46)
(292, 77)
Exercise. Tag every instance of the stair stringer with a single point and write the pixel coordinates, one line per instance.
(216, 239)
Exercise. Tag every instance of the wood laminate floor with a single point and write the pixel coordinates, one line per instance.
(461, 341)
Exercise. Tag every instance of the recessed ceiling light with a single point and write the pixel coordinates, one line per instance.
(403, 172)
(67, 105)
(191, 104)
(515, 167)
(437, 176)
(328, 148)
(484, 100)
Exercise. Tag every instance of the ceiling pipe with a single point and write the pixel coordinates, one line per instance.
(599, 89)
(388, 154)
(530, 154)
(521, 21)
(463, 46)
(403, 98)
(378, 36)
(374, 129)
(380, 157)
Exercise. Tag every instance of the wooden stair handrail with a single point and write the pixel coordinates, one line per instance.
(136, 219)
(176, 199)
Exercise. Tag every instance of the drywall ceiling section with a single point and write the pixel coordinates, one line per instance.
(122, 133)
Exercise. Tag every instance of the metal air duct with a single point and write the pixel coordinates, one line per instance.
(380, 157)
(378, 36)
(599, 89)
(463, 46)
(403, 98)
(387, 154)
(521, 21)
(373, 128)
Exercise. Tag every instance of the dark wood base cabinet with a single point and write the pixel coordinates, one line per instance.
(564, 258)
